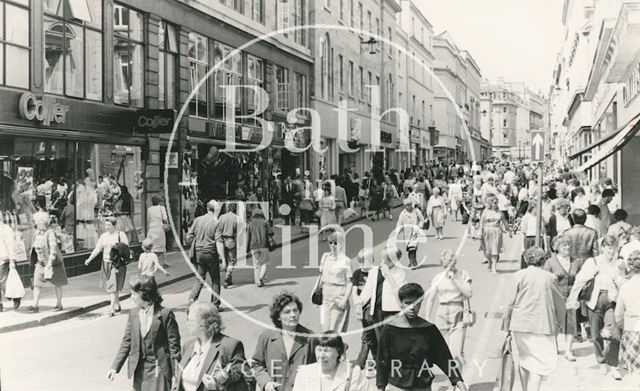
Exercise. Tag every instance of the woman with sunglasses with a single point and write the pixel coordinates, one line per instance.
(335, 280)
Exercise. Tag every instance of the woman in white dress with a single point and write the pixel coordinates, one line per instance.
(436, 213)
(335, 280)
(156, 220)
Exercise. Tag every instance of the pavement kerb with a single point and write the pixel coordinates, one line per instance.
(58, 317)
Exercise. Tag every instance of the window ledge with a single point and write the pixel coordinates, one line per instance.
(327, 8)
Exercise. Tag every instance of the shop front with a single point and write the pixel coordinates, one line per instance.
(58, 155)
(425, 146)
(415, 146)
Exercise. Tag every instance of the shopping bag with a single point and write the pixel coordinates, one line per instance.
(14, 289)
(349, 213)
(507, 371)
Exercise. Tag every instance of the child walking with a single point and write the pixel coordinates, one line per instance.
(149, 262)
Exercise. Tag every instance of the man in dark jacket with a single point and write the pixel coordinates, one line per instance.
(583, 240)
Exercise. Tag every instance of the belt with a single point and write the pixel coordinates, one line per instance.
(85, 221)
(452, 303)
(226, 236)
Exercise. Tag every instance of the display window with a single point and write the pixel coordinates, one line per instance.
(80, 184)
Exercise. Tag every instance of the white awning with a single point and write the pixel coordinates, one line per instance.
(613, 145)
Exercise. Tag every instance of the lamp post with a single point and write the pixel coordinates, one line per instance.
(370, 44)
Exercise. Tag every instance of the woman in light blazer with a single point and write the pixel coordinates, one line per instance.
(211, 361)
(332, 372)
(151, 342)
(533, 315)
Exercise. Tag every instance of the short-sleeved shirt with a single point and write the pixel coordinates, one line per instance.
(335, 271)
(448, 292)
(147, 263)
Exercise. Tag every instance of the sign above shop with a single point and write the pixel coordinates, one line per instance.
(385, 137)
(154, 121)
(415, 136)
(45, 110)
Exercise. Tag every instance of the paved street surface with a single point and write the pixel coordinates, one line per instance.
(81, 349)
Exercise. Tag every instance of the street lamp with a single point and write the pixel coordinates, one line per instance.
(372, 44)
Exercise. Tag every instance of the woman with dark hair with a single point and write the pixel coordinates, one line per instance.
(124, 213)
(157, 222)
(332, 371)
(607, 273)
(327, 208)
(112, 277)
(534, 291)
(619, 225)
(151, 342)
(211, 360)
(375, 198)
(593, 220)
(409, 346)
(280, 352)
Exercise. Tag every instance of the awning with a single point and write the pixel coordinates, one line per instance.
(593, 145)
(614, 144)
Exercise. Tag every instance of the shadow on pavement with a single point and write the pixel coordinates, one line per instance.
(485, 386)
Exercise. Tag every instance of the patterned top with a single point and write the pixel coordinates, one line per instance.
(41, 247)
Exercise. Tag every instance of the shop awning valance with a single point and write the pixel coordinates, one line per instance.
(593, 145)
(614, 144)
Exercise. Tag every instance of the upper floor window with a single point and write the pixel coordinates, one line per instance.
(299, 19)
(282, 88)
(255, 77)
(229, 73)
(235, 4)
(301, 90)
(14, 43)
(326, 68)
(257, 10)
(167, 57)
(128, 56)
(198, 64)
(282, 15)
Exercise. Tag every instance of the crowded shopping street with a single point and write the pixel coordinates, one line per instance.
(319, 195)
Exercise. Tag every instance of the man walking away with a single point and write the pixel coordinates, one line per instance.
(207, 251)
(228, 231)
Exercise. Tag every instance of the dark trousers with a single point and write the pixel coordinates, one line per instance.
(290, 219)
(370, 338)
(411, 252)
(306, 216)
(207, 263)
(603, 318)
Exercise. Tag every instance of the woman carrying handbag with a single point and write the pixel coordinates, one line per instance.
(47, 257)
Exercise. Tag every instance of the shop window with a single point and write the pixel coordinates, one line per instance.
(228, 73)
(78, 183)
(255, 77)
(14, 43)
(282, 88)
(168, 51)
(198, 63)
(128, 61)
(73, 48)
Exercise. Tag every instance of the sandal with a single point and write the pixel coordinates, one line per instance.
(570, 357)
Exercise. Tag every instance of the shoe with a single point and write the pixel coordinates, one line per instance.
(570, 357)
(228, 281)
(260, 283)
(16, 303)
(390, 217)
(33, 309)
(117, 308)
(616, 374)
(57, 308)
(111, 313)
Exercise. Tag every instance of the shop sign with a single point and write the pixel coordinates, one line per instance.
(154, 121)
(172, 159)
(415, 136)
(424, 139)
(435, 135)
(45, 110)
(385, 137)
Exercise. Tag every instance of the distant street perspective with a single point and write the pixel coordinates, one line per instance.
(330, 195)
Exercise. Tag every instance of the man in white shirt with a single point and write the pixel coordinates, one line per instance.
(509, 176)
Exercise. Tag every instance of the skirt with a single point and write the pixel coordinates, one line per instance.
(629, 355)
(145, 378)
(437, 217)
(492, 241)
(159, 238)
(114, 282)
(59, 276)
(332, 318)
(449, 316)
(570, 325)
(536, 353)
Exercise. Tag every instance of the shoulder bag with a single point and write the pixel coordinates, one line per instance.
(316, 296)
(468, 316)
(587, 289)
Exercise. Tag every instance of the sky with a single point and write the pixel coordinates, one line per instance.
(514, 39)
